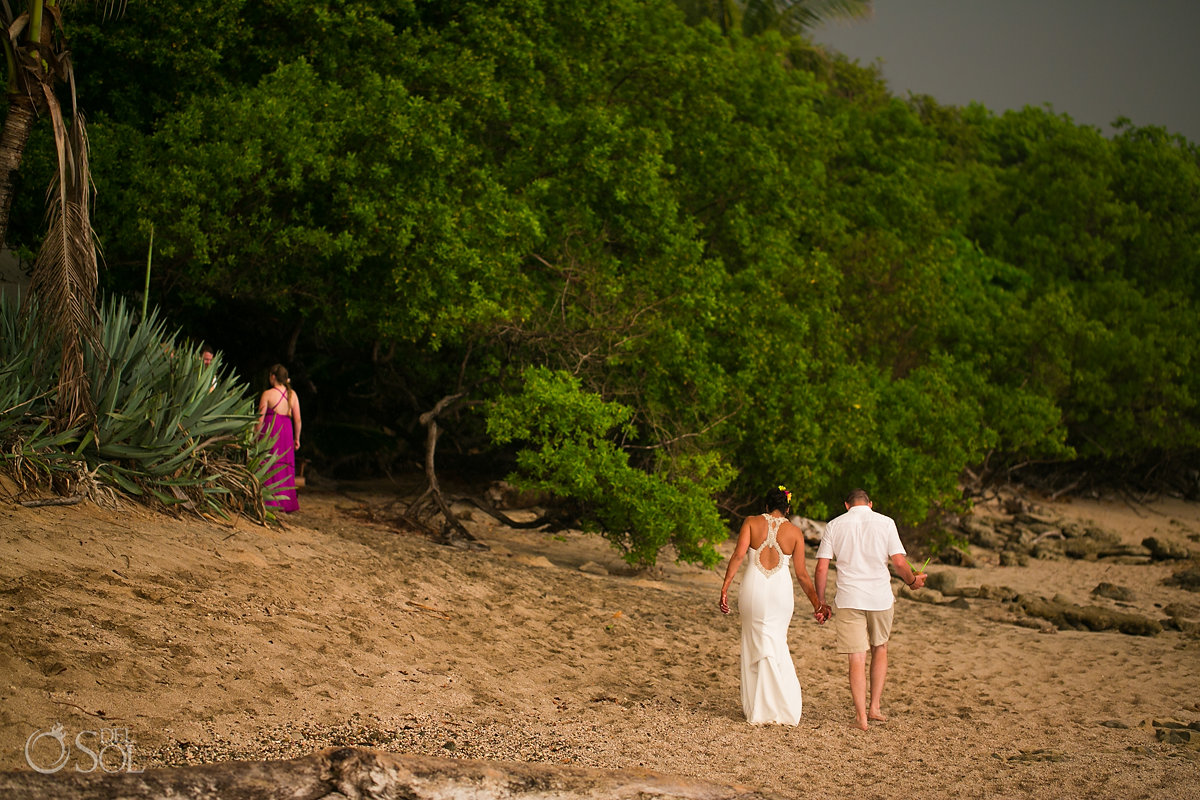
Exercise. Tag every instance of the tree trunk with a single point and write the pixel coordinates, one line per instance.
(354, 772)
(455, 533)
(22, 114)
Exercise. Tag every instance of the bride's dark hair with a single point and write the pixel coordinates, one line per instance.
(779, 499)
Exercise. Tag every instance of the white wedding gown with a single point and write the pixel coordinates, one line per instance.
(770, 688)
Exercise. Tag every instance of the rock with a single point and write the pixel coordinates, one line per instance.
(1185, 626)
(1186, 579)
(1182, 736)
(533, 561)
(592, 568)
(1023, 535)
(1003, 593)
(1041, 626)
(1089, 548)
(942, 581)
(954, 557)
(1009, 559)
(980, 532)
(960, 602)
(1083, 547)
(1073, 530)
(1113, 592)
(1015, 505)
(1180, 611)
(1048, 549)
(812, 529)
(1031, 516)
(1102, 535)
(1065, 614)
(1168, 723)
(931, 596)
(1163, 550)
(1136, 625)
(1114, 723)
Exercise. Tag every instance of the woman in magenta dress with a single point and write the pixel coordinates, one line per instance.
(279, 418)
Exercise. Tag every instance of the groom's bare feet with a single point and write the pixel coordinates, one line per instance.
(860, 723)
(877, 716)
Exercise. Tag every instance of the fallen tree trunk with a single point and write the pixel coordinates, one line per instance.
(553, 522)
(351, 773)
(55, 501)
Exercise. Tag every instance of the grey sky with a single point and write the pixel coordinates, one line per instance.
(1094, 60)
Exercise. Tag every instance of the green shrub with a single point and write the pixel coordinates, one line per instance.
(571, 452)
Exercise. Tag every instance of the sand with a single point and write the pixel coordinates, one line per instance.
(209, 642)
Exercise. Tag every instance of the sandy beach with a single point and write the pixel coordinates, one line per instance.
(211, 642)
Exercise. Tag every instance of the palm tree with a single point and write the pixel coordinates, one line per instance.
(65, 273)
(790, 17)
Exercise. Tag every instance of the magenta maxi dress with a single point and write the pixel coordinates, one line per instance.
(282, 480)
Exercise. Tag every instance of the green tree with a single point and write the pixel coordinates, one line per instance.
(772, 273)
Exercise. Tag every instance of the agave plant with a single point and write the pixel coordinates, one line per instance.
(32, 453)
(164, 428)
(168, 430)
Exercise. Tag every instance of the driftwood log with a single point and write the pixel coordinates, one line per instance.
(353, 773)
(54, 501)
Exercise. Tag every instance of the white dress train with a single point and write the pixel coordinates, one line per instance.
(770, 688)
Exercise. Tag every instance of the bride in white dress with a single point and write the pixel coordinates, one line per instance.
(770, 688)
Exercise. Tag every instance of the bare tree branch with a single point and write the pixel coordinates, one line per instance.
(454, 532)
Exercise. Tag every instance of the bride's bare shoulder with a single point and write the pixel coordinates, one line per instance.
(790, 531)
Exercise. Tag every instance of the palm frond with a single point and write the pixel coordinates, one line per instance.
(66, 271)
(109, 5)
(798, 16)
(790, 17)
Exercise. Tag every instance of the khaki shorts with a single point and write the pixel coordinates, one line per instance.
(858, 631)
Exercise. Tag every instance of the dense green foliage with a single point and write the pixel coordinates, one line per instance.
(574, 455)
(678, 265)
(167, 428)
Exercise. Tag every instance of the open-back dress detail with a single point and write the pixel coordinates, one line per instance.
(770, 688)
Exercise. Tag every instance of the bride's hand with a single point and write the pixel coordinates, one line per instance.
(724, 604)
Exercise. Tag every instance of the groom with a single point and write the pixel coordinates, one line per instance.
(863, 542)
